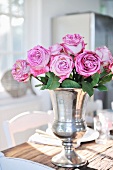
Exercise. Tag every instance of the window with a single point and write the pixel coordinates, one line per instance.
(11, 33)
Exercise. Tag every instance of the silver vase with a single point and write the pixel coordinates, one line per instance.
(69, 106)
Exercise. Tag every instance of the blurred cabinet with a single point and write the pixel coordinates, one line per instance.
(97, 29)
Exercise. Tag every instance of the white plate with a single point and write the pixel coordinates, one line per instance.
(90, 135)
(7, 163)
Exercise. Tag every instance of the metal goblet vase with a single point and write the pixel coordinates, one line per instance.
(69, 106)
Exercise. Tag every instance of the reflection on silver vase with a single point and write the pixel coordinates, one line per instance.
(69, 106)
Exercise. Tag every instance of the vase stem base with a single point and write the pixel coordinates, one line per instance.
(68, 159)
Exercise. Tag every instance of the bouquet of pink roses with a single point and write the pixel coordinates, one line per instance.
(67, 65)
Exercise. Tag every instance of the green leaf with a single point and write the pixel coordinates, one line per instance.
(38, 85)
(53, 82)
(44, 87)
(70, 84)
(103, 73)
(87, 87)
(44, 79)
(30, 78)
(106, 79)
(50, 74)
(102, 88)
(88, 79)
(95, 78)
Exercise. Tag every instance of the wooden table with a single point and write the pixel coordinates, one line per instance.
(100, 157)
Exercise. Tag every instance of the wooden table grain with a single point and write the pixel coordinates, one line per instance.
(99, 157)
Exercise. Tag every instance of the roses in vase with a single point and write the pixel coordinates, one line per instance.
(67, 65)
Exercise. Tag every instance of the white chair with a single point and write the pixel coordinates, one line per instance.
(24, 122)
(7, 163)
(92, 106)
(112, 105)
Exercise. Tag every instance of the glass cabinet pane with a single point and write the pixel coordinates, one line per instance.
(4, 6)
(4, 32)
(17, 33)
(17, 7)
(5, 63)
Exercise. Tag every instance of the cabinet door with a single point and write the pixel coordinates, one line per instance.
(104, 37)
(71, 24)
(104, 31)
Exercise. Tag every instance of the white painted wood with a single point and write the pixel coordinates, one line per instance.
(10, 107)
(25, 121)
(92, 107)
(112, 105)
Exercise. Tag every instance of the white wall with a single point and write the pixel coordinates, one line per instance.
(33, 23)
(40, 12)
(53, 8)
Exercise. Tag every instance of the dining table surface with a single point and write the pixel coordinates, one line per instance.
(98, 156)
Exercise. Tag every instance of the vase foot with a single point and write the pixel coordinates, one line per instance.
(68, 160)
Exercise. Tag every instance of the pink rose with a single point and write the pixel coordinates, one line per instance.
(38, 59)
(21, 71)
(87, 63)
(105, 55)
(111, 67)
(39, 72)
(61, 65)
(73, 44)
(55, 49)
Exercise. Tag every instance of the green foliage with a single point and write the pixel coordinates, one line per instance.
(70, 84)
(102, 88)
(87, 87)
(106, 79)
(44, 79)
(52, 83)
(95, 79)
